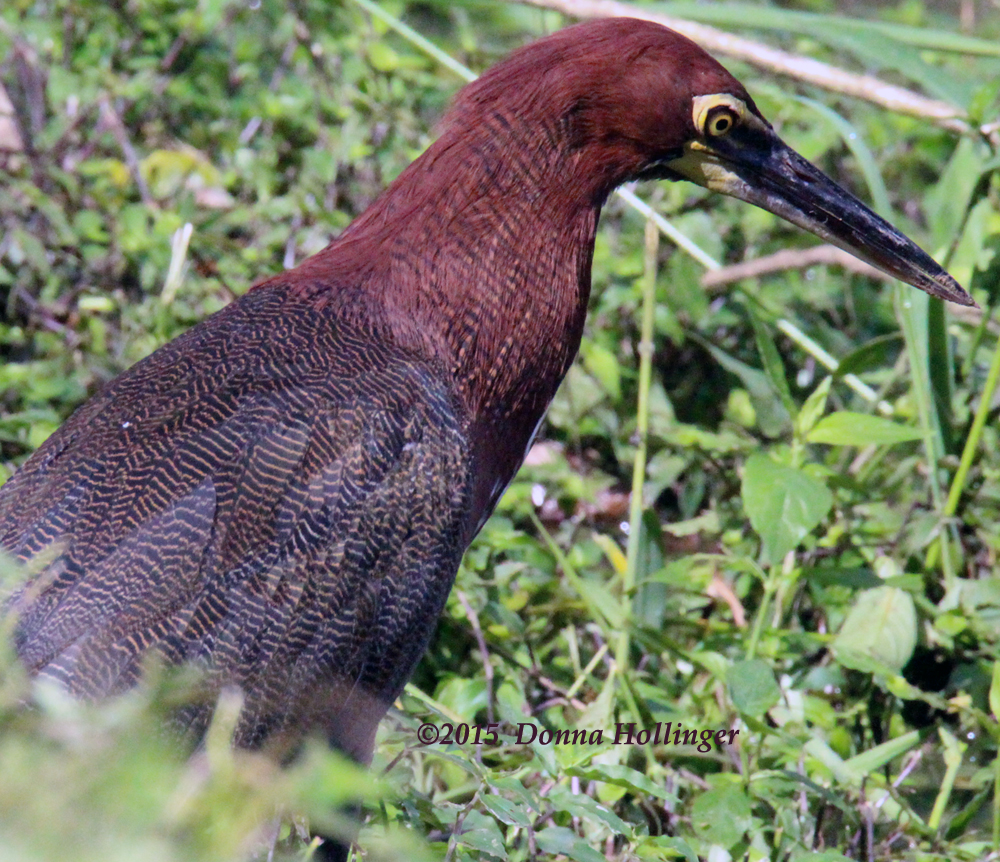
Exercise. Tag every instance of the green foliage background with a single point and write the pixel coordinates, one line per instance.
(811, 566)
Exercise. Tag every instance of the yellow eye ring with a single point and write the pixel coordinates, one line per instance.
(716, 115)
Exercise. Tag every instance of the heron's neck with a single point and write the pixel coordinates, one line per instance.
(485, 246)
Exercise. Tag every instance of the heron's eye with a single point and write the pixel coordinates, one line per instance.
(720, 122)
(716, 115)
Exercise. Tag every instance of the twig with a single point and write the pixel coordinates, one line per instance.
(109, 119)
(459, 821)
(250, 129)
(10, 138)
(788, 259)
(65, 140)
(912, 761)
(44, 314)
(759, 54)
(31, 81)
(173, 52)
(483, 649)
(585, 673)
(562, 697)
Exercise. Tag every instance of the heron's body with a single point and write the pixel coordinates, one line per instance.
(276, 495)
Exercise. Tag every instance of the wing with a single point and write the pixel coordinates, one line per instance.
(276, 496)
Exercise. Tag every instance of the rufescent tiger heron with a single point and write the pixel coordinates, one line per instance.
(282, 495)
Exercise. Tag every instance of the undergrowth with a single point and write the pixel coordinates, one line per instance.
(781, 519)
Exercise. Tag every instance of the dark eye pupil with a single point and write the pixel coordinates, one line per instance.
(721, 124)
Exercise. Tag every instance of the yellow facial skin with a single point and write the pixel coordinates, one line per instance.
(715, 116)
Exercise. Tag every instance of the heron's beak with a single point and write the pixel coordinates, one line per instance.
(753, 164)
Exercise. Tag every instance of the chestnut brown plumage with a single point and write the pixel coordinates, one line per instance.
(283, 494)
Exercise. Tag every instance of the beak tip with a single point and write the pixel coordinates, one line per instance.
(935, 281)
(952, 291)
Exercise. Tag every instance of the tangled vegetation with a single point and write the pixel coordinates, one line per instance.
(783, 519)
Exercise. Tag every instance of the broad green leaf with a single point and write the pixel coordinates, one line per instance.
(463, 697)
(601, 597)
(560, 840)
(482, 833)
(664, 847)
(506, 811)
(622, 776)
(860, 429)
(707, 522)
(752, 687)
(581, 805)
(882, 624)
(783, 503)
(722, 814)
(845, 774)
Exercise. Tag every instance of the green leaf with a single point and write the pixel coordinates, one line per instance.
(995, 691)
(558, 839)
(795, 21)
(603, 365)
(581, 805)
(813, 408)
(601, 597)
(752, 687)
(860, 429)
(666, 847)
(722, 815)
(382, 57)
(772, 416)
(948, 201)
(875, 758)
(977, 246)
(876, 353)
(825, 856)
(482, 833)
(506, 811)
(882, 624)
(783, 503)
(855, 578)
(622, 776)
(771, 358)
